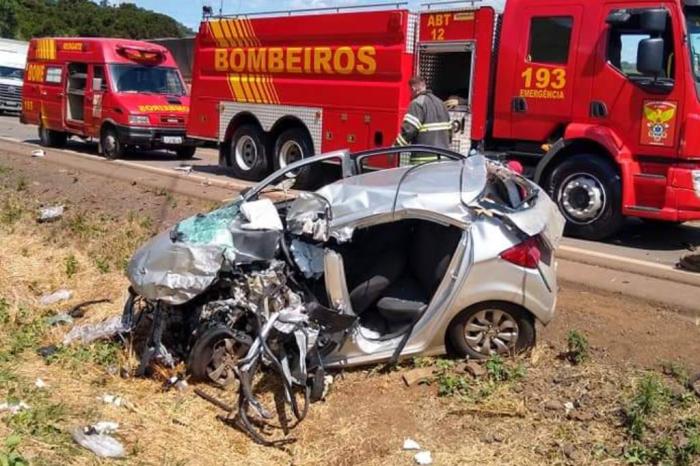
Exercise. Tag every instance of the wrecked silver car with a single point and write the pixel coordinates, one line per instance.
(454, 255)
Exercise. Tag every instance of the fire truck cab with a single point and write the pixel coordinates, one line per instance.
(124, 93)
(598, 99)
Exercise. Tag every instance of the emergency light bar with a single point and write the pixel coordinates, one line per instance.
(141, 54)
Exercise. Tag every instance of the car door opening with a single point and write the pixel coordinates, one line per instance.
(77, 82)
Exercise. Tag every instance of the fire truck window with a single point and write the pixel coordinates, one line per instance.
(623, 42)
(53, 75)
(550, 39)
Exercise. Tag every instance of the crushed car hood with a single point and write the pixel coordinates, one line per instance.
(179, 264)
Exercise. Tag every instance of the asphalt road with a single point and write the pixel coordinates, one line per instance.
(663, 244)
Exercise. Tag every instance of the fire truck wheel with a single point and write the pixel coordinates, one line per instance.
(248, 154)
(51, 138)
(588, 191)
(185, 152)
(112, 148)
(291, 146)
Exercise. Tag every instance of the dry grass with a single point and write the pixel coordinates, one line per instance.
(505, 420)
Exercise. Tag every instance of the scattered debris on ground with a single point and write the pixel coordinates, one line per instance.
(690, 263)
(56, 297)
(50, 214)
(97, 439)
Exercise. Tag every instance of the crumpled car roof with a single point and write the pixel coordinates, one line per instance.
(442, 189)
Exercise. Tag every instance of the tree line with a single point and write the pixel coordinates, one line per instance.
(25, 19)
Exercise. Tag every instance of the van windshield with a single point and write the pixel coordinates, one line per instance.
(12, 73)
(144, 79)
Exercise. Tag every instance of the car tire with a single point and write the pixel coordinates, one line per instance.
(51, 138)
(112, 147)
(201, 363)
(464, 331)
(248, 154)
(588, 191)
(185, 152)
(291, 146)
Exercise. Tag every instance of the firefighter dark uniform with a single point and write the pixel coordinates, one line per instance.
(426, 122)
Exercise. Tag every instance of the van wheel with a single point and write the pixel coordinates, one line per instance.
(112, 148)
(492, 328)
(185, 152)
(51, 138)
(248, 153)
(588, 191)
(294, 145)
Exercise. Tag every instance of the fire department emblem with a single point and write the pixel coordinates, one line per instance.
(659, 123)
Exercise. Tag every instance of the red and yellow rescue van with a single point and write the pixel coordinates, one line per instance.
(121, 92)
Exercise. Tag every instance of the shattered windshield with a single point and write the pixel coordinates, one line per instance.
(211, 228)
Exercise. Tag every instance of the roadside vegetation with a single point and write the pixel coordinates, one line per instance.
(25, 19)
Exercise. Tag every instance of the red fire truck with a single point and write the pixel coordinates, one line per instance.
(123, 93)
(599, 99)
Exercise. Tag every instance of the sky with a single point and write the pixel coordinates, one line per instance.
(189, 12)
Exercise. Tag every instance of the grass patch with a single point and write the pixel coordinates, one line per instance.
(9, 456)
(451, 380)
(12, 212)
(578, 349)
(101, 353)
(650, 396)
(71, 266)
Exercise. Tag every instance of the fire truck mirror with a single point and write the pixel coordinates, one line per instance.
(653, 20)
(650, 57)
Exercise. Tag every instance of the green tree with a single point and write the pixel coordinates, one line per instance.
(8, 19)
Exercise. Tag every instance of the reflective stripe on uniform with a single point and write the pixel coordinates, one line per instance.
(413, 121)
(436, 127)
(400, 141)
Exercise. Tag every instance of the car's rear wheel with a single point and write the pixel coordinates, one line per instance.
(291, 146)
(492, 328)
(51, 138)
(112, 147)
(588, 191)
(248, 154)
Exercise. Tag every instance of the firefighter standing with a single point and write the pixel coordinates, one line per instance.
(427, 122)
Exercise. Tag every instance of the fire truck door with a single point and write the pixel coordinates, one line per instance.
(93, 99)
(646, 121)
(544, 74)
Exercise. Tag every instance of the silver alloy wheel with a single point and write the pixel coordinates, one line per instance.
(109, 143)
(221, 366)
(290, 152)
(246, 152)
(491, 331)
(582, 196)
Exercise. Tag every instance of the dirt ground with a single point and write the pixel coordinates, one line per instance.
(522, 417)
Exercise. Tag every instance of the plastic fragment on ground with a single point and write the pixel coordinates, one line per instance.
(14, 408)
(50, 214)
(423, 458)
(88, 333)
(105, 427)
(101, 445)
(410, 444)
(39, 153)
(40, 384)
(59, 319)
(56, 297)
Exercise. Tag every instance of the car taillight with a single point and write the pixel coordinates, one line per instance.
(526, 254)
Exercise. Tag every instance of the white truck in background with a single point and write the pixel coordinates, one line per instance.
(13, 60)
